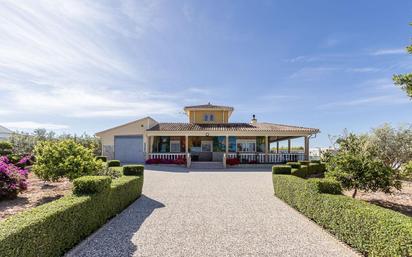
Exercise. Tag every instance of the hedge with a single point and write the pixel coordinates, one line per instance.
(113, 163)
(54, 228)
(281, 169)
(102, 158)
(133, 170)
(91, 184)
(372, 230)
(294, 165)
(326, 185)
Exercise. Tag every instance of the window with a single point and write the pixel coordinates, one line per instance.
(244, 145)
(207, 146)
(208, 117)
(175, 146)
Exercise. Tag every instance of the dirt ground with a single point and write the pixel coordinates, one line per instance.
(400, 201)
(38, 193)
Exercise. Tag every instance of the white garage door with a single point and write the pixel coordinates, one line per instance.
(129, 149)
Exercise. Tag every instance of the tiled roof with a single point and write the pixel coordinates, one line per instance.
(208, 106)
(230, 127)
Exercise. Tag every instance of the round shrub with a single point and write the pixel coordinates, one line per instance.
(281, 169)
(13, 179)
(65, 158)
(102, 158)
(133, 170)
(113, 163)
(91, 184)
(294, 165)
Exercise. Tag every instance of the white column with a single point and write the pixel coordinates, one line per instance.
(187, 144)
(227, 144)
(266, 148)
(306, 148)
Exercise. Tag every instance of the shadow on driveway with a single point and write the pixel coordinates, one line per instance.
(115, 238)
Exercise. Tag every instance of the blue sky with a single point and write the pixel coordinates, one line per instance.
(84, 66)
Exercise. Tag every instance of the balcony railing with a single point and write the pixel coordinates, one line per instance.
(166, 156)
(267, 158)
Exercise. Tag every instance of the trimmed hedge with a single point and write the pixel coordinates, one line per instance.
(91, 184)
(304, 162)
(326, 186)
(302, 172)
(371, 229)
(281, 169)
(54, 228)
(102, 158)
(133, 170)
(294, 165)
(113, 163)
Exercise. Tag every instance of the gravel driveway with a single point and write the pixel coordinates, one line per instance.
(210, 214)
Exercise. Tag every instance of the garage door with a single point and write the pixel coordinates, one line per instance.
(129, 149)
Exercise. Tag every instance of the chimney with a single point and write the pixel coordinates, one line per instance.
(254, 120)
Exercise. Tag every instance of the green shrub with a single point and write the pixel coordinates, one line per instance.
(113, 163)
(52, 229)
(304, 162)
(327, 186)
(281, 169)
(91, 184)
(315, 161)
(302, 172)
(66, 158)
(6, 148)
(294, 165)
(113, 172)
(133, 170)
(102, 158)
(372, 230)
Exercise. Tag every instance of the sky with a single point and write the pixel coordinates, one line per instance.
(85, 66)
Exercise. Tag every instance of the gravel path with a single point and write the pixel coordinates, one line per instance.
(210, 214)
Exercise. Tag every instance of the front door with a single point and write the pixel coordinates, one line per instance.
(206, 151)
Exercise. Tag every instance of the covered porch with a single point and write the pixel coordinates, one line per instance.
(212, 147)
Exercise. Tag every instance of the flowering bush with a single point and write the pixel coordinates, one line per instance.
(232, 161)
(65, 158)
(166, 161)
(13, 179)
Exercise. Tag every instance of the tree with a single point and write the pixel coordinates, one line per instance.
(393, 146)
(404, 81)
(64, 158)
(356, 166)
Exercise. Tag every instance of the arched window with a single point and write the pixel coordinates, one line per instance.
(206, 117)
(212, 117)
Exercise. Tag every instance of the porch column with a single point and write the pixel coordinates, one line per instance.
(187, 144)
(277, 146)
(266, 148)
(227, 144)
(289, 145)
(306, 148)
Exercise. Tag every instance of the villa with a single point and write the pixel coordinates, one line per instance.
(208, 136)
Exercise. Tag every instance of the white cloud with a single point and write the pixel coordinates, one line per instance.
(382, 99)
(33, 125)
(64, 58)
(389, 51)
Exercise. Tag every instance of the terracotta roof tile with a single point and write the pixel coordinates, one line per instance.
(208, 106)
(229, 127)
